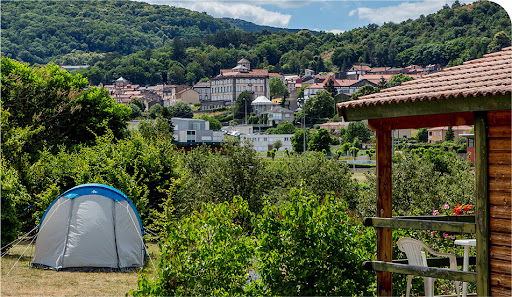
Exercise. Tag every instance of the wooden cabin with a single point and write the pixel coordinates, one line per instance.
(476, 93)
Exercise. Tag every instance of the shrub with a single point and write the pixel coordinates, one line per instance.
(206, 254)
(310, 246)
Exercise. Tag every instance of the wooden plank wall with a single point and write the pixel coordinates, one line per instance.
(500, 201)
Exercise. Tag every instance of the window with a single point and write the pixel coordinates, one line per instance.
(195, 126)
(191, 136)
(200, 97)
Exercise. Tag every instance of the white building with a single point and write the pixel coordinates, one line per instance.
(265, 142)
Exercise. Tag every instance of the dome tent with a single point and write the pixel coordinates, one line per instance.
(90, 226)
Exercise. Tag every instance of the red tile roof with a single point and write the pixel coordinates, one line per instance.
(490, 75)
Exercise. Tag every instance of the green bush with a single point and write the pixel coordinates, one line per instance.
(12, 192)
(206, 254)
(309, 246)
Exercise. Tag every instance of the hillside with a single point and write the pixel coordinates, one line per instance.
(149, 43)
(39, 31)
(252, 27)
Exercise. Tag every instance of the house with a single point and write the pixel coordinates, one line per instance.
(261, 104)
(334, 127)
(265, 142)
(226, 86)
(203, 88)
(309, 72)
(277, 115)
(439, 133)
(478, 93)
(345, 86)
(189, 96)
(360, 69)
(193, 130)
(379, 70)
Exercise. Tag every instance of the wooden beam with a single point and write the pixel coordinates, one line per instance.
(384, 210)
(422, 121)
(461, 218)
(448, 226)
(432, 107)
(482, 205)
(441, 273)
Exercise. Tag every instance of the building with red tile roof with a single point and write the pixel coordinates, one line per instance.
(226, 86)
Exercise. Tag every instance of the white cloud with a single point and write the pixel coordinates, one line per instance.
(334, 31)
(398, 13)
(233, 9)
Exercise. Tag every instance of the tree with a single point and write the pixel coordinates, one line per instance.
(243, 105)
(356, 142)
(321, 106)
(283, 128)
(320, 140)
(58, 107)
(450, 135)
(346, 147)
(422, 135)
(136, 112)
(329, 87)
(398, 79)
(181, 110)
(215, 124)
(359, 130)
(278, 144)
(277, 88)
(298, 140)
(300, 91)
(499, 41)
(154, 110)
(370, 153)
(161, 128)
(365, 90)
(137, 101)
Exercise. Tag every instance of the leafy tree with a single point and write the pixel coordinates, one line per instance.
(243, 105)
(161, 128)
(321, 106)
(300, 91)
(154, 110)
(136, 112)
(283, 128)
(329, 87)
(370, 153)
(365, 90)
(278, 144)
(346, 147)
(56, 106)
(499, 41)
(277, 88)
(356, 142)
(359, 130)
(209, 253)
(330, 266)
(137, 101)
(181, 110)
(298, 140)
(215, 124)
(354, 151)
(398, 79)
(320, 140)
(422, 135)
(450, 135)
(12, 191)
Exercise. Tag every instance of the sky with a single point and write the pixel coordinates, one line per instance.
(319, 15)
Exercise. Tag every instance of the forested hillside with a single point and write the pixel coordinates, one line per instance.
(40, 31)
(106, 36)
(252, 27)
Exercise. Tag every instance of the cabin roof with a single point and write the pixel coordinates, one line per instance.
(487, 76)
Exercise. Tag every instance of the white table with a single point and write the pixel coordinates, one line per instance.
(467, 243)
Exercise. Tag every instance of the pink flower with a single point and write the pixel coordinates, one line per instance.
(432, 234)
(452, 237)
(436, 212)
(445, 235)
(446, 206)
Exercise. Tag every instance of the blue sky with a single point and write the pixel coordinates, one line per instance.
(325, 15)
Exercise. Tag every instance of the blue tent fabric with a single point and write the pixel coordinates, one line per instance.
(100, 189)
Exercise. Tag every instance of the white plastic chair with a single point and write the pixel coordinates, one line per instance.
(413, 249)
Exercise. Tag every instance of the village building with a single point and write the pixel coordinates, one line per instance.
(439, 133)
(226, 86)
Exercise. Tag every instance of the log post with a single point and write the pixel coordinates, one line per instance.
(384, 209)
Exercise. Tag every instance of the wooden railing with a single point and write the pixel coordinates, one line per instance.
(452, 224)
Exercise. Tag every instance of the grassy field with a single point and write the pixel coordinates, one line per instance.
(25, 281)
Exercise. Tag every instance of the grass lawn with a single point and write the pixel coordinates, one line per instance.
(26, 281)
